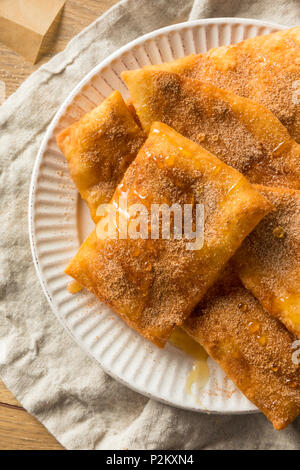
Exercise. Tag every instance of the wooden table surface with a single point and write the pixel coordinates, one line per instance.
(18, 429)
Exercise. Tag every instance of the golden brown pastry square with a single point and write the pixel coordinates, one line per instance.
(254, 349)
(265, 69)
(99, 148)
(154, 284)
(268, 262)
(243, 134)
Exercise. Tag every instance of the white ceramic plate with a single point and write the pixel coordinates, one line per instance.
(59, 221)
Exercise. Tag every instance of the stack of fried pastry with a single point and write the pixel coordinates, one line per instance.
(222, 130)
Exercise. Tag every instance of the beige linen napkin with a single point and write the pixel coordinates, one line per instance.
(44, 368)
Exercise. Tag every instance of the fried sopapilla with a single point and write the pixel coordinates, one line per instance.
(154, 283)
(254, 349)
(265, 69)
(268, 262)
(99, 148)
(243, 134)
